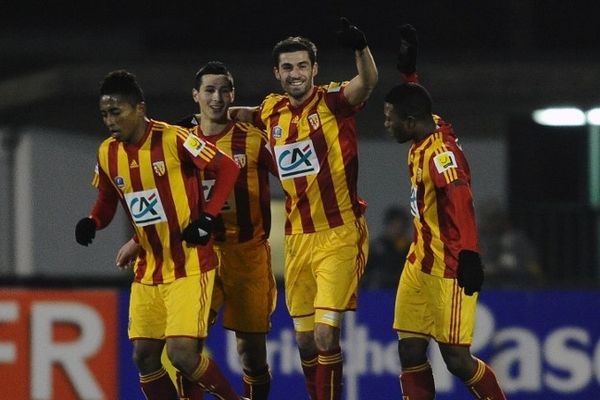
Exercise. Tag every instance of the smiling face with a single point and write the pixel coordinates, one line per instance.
(296, 73)
(124, 120)
(214, 96)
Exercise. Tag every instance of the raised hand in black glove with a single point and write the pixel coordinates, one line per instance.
(85, 231)
(407, 55)
(199, 231)
(470, 271)
(349, 35)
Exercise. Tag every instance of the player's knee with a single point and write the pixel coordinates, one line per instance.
(146, 362)
(459, 364)
(183, 361)
(327, 338)
(412, 353)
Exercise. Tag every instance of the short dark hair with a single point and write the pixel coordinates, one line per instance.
(123, 84)
(294, 43)
(410, 99)
(212, 68)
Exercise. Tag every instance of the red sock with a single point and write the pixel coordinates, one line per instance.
(211, 379)
(329, 375)
(187, 389)
(309, 366)
(257, 385)
(158, 386)
(417, 383)
(484, 385)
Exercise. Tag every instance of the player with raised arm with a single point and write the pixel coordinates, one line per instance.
(439, 285)
(312, 132)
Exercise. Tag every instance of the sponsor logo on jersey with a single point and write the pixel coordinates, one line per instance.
(444, 161)
(334, 87)
(145, 207)
(120, 182)
(194, 145)
(414, 206)
(296, 159)
(133, 164)
(276, 132)
(207, 190)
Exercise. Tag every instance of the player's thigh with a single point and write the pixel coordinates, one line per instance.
(250, 290)
(299, 280)
(455, 312)
(147, 312)
(339, 258)
(187, 301)
(413, 316)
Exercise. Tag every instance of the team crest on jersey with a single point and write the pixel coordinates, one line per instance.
(145, 207)
(120, 182)
(444, 161)
(194, 145)
(240, 159)
(159, 167)
(296, 159)
(314, 121)
(276, 132)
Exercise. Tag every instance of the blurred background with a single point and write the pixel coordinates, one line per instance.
(488, 65)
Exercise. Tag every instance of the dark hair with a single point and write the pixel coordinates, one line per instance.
(294, 43)
(124, 84)
(410, 99)
(212, 68)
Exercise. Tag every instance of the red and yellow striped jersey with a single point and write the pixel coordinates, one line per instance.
(316, 155)
(246, 214)
(156, 180)
(435, 163)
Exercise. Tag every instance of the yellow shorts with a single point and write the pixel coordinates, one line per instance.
(245, 286)
(433, 306)
(322, 271)
(179, 308)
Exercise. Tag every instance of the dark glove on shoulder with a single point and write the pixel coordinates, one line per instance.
(199, 230)
(407, 55)
(350, 36)
(85, 231)
(470, 272)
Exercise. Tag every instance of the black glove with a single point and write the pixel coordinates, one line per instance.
(85, 231)
(470, 272)
(407, 55)
(351, 36)
(199, 231)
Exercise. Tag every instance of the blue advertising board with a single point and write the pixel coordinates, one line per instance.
(541, 344)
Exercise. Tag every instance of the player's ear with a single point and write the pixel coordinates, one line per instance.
(276, 73)
(315, 69)
(195, 95)
(140, 108)
(232, 95)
